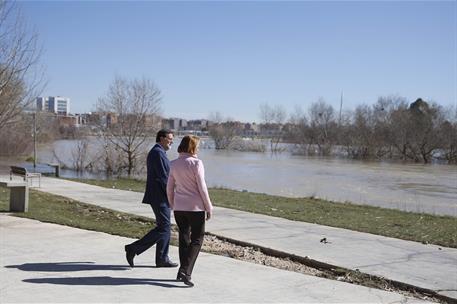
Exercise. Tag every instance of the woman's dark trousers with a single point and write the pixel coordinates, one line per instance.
(191, 226)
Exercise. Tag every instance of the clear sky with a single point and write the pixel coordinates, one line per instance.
(230, 57)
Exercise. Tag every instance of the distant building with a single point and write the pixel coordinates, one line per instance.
(54, 104)
(111, 119)
(174, 123)
(197, 124)
(250, 129)
(67, 121)
(153, 121)
(82, 119)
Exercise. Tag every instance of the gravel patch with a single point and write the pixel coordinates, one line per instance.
(215, 245)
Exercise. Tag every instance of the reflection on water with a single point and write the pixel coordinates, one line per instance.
(412, 187)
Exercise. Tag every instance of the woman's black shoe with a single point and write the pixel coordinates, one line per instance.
(185, 279)
(179, 276)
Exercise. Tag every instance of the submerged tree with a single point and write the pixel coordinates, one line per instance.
(448, 131)
(223, 131)
(322, 126)
(273, 118)
(424, 135)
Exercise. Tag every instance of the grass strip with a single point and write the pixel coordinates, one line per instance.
(51, 208)
(419, 227)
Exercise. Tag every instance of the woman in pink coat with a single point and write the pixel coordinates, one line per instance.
(188, 197)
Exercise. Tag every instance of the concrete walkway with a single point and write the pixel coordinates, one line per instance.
(49, 263)
(426, 266)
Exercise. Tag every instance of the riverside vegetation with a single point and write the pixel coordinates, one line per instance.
(60, 210)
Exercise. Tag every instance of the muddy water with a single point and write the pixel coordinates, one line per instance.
(411, 187)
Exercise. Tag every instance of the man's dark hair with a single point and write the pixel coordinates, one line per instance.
(163, 133)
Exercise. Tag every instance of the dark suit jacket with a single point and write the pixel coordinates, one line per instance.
(158, 168)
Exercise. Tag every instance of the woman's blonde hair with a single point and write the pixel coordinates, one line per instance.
(189, 144)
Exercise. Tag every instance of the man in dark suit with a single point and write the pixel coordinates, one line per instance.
(158, 168)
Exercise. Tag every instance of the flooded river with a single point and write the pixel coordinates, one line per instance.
(411, 187)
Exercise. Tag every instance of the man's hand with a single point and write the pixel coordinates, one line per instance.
(208, 215)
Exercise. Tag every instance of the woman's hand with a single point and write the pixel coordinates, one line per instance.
(208, 215)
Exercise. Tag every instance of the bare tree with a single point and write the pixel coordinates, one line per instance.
(322, 126)
(20, 76)
(80, 155)
(448, 129)
(298, 132)
(412, 130)
(359, 138)
(273, 119)
(108, 159)
(129, 114)
(382, 111)
(16, 140)
(222, 131)
(372, 132)
(424, 136)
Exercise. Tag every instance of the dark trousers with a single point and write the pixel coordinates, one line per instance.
(191, 226)
(160, 235)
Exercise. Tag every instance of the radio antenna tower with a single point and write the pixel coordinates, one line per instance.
(341, 105)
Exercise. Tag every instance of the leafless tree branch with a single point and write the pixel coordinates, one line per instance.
(129, 111)
(21, 79)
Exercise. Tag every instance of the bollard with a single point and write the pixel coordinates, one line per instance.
(19, 195)
(56, 169)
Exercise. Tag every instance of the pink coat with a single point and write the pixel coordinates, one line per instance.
(186, 186)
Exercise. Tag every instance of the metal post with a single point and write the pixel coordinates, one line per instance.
(341, 107)
(34, 140)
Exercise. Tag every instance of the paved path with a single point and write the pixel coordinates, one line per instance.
(426, 266)
(43, 262)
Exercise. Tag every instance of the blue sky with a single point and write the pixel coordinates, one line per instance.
(231, 57)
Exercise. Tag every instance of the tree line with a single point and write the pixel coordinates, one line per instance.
(391, 128)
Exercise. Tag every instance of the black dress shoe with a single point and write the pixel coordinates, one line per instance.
(166, 264)
(185, 279)
(129, 255)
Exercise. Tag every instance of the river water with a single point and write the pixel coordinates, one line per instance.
(411, 187)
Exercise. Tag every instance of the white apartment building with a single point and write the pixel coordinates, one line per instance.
(54, 104)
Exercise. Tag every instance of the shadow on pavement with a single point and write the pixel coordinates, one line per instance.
(70, 266)
(105, 281)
